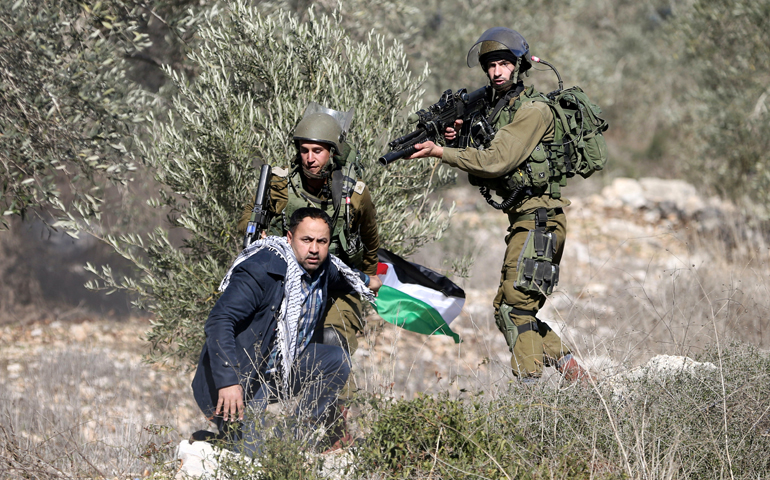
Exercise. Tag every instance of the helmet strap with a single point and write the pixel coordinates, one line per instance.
(317, 176)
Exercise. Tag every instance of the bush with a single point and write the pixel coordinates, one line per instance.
(711, 423)
(256, 74)
(725, 50)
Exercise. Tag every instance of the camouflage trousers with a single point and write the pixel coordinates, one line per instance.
(344, 315)
(532, 342)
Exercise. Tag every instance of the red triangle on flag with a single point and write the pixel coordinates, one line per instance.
(382, 268)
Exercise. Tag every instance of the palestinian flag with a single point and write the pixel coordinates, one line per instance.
(416, 298)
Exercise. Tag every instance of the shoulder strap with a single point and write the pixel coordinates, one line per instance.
(504, 100)
(337, 186)
(343, 183)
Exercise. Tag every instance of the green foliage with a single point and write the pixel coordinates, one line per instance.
(256, 74)
(436, 433)
(279, 459)
(67, 111)
(726, 51)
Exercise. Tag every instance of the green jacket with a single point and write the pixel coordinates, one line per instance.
(522, 129)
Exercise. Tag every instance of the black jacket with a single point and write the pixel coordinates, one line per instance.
(241, 326)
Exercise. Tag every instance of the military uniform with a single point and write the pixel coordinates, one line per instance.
(523, 125)
(356, 245)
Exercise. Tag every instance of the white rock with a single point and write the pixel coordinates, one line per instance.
(624, 191)
(660, 367)
(198, 460)
(677, 192)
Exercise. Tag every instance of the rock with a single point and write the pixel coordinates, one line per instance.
(672, 196)
(662, 198)
(199, 460)
(660, 367)
(78, 332)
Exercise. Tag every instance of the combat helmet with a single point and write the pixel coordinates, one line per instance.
(500, 39)
(320, 128)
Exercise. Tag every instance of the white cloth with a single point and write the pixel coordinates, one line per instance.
(291, 305)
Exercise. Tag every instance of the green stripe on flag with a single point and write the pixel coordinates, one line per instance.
(411, 314)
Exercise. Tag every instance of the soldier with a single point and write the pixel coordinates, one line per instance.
(538, 226)
(323, 175)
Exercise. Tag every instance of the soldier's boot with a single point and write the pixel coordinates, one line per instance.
(338, 435)
(571, 370)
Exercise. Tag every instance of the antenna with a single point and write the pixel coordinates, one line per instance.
(561, 84)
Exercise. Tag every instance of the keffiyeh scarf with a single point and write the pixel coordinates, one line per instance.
(291, 305)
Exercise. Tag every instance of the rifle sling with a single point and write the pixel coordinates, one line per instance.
(504, 101)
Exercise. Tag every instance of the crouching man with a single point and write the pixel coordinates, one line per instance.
(259, 335)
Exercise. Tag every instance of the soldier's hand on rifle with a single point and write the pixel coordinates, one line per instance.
(427, 149)
(451, 132)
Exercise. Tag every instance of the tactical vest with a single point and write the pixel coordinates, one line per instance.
(578, 147)
(345, 241)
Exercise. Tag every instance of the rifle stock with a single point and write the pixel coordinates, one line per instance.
(260, 214)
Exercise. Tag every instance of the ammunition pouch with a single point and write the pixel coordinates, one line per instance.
(534, 177)
(536, 272)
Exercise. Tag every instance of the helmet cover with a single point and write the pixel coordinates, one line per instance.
(500, 38)
(343, 118)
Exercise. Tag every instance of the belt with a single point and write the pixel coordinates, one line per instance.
(531, 216)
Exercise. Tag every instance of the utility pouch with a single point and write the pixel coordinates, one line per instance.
(535, 271)
(352, 248)
(506, 325)
(538, 167)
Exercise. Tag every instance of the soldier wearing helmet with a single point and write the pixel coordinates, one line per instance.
(323, 174)
(538, 225)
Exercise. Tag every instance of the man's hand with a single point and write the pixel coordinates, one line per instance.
(230, 403)
(451, 133)
(427, 149)
(374, 283)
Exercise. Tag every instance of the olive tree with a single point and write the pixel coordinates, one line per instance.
(256, 73)
(66, 107)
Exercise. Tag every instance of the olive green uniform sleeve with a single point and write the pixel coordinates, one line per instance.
(365, 218)
(279, 198)
(513, 144)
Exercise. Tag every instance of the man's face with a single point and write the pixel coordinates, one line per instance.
(500, 71)
(314, 156)
(310, 242)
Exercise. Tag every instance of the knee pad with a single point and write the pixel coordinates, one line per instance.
(332, 337)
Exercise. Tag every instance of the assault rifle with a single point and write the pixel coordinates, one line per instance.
(260, 214)
(433, 121)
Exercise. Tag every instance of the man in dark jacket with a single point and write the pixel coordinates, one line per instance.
(259, 334)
